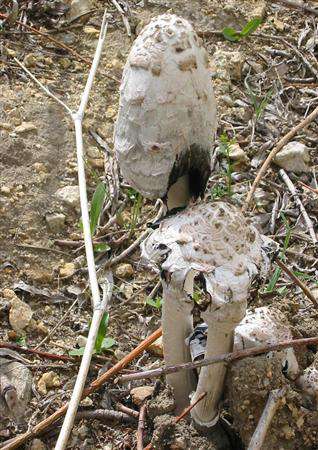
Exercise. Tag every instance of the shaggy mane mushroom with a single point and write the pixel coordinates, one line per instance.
(167, 113)
(217, 242)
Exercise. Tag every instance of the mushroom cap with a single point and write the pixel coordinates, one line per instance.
(213, 239)
(265, 326)
(167, 110)
(308, 383)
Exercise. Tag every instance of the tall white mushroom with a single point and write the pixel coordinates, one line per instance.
(215, 242)
(167, 113)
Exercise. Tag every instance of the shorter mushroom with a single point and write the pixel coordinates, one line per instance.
(308, 383)
(215, 244)
(266, 326)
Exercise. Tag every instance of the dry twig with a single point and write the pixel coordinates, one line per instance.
(296, 5)
(105, 415)
(188, 409)
(303, 211)
(141, 426)
(280, 144)
(227, 358)
(297, 281)
(273, 403)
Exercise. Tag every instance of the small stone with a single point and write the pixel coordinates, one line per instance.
(259, 11)
(29, 60)
(91, 30)
(228, 65)
(97, 163)
(5, 190)
(67, 270)
(82, 432)
(93, 152)
(87, 401)
(65, 63)
(37, 444)
(124, 271)
(81, 341)
(78, 10)
(293, 157)
(55, 222)
(238, 155)
(140, 394)
(20, 312)
(40, 328)
(48, 380)
(69, 195)
(156, 348)
(25, 127)
(12, 335)
(40, 167)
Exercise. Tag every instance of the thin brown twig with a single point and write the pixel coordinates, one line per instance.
(141, 427)
(97, 384)
(308, 187)
(105, 415)
(297, 281)
(225, 358)
(188, 408)
(126, 410)
(280, 144)
(33, 351)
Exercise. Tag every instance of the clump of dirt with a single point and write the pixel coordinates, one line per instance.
(249, 383)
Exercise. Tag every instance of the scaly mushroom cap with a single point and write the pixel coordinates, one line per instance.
(214, 240)
(167, 111)
(265, 326)
(308, 383)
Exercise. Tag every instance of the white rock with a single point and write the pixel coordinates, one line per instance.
(294, 157)
(56, 222)
(48, 380)
(124, 271)
(237, 154)
(228, 65)
(25, 127)
(20, 312)
(69, 195)
(67, 270)
(5, 190)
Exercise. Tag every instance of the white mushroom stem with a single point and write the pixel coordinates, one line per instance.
(211, 379)
(177, 324)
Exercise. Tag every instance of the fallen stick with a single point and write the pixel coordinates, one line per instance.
(273, 403)
(32, 351)
(303, 211)
(105, 415)
(225, 358)
(280, 144)
(188, 408)
(141, 427)
(97, 384)
(308, 187)
(297, 281)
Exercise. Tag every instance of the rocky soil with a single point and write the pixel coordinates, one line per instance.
(264, 84)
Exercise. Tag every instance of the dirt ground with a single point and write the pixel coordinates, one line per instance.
(264, 85)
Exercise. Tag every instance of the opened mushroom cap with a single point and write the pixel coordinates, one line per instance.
(214, 240)
(167, 109)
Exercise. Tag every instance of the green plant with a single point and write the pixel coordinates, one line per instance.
(259, 104)
(21, 341)
(272, 283)
(234, 36)
(155, 303)
(102, 342)
(218, 191)
(97, 203)
(225, 149)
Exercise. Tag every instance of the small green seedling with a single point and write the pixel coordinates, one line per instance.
(234, 36)
(225, 149)
(155, 303)
(102, 343)
(218, 191)
(259, 104)
(97, 206)
(276, 275)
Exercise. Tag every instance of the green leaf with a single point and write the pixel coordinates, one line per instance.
(102, 247)
(97, 205)
(107, 343)
(101, 332)
(230, 34)
(156, 303)
(77, 351)
(251, 26)
(273, 280)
